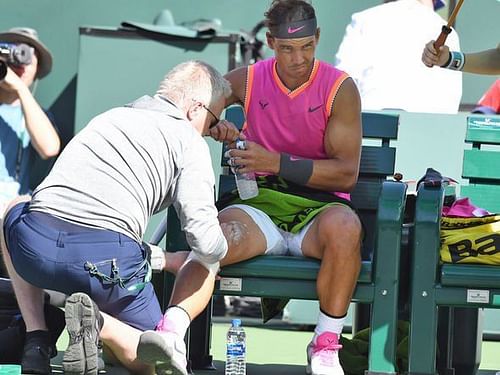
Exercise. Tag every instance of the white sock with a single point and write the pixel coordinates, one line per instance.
(329, 324)
(179, 320)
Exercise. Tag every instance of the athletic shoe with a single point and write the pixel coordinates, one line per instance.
(82, 323)
(323, 355)
(36, 357)
(165, 350)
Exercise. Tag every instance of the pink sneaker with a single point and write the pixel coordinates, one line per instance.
(323, 355)
(164, 349)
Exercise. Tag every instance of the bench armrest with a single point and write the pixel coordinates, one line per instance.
(388, 236)
(426, 239)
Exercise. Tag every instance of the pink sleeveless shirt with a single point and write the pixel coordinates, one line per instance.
(294, 121)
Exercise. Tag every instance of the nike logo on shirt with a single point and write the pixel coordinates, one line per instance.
(293, 31)
(312, 109)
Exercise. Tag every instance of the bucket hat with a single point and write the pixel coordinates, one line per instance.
(30, 36)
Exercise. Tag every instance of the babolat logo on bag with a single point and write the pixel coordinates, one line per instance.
(470, 240)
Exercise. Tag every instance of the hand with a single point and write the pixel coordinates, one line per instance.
(224, 131)
(254, 158)
(12, 82)
(431, 57)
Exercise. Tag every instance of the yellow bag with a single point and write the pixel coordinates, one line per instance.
(470, 240)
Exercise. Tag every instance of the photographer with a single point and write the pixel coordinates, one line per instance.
(24, 126)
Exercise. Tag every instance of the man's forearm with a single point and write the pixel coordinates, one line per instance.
(485, 62)
(43, 136)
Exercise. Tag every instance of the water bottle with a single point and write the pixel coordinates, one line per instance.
(245, 182)
(236, 349)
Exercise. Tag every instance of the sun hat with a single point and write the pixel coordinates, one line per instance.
(30, 36)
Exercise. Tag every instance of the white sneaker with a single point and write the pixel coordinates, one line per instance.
(323, 355)
(165, 350)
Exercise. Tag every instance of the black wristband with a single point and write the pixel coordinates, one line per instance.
(298, 171)
(447, 61)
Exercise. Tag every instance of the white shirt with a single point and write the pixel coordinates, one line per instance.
(382, 50)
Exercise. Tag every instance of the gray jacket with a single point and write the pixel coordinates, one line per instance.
(128, 164)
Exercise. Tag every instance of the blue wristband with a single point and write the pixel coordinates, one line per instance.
(456, 61)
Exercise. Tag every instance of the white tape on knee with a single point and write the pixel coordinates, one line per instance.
(213, 268)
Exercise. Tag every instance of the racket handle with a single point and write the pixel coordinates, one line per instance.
(442, 37)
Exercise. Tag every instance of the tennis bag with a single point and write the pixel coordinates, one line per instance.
(470, 240)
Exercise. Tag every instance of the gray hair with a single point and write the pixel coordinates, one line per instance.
(194, 80)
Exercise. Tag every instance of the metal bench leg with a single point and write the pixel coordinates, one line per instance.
(199, 340)
(423, 333)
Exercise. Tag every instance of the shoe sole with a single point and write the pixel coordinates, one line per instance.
(152, 350)
(81, 355)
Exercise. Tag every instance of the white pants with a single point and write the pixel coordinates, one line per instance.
(278, 241)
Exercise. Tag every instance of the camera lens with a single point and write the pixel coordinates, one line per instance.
(22, 54)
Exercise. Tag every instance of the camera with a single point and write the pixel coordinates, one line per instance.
(15, 54)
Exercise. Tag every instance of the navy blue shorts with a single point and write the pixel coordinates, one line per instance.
(51, 253)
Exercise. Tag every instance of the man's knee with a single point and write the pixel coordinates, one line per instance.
(340, 224)
(234, 231)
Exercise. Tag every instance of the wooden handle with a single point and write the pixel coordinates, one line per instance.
(447, 29)
(442, 37)
(451, 20)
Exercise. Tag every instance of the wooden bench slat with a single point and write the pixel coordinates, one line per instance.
(377, 160)
(481, 129)
(295, 268)
(486, 196)
(378, 125)
(481, 164)
(470, 275)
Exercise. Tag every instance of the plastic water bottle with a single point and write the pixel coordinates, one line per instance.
(245, 182)
(236, 349)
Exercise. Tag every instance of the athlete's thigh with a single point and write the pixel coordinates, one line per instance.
(245, 239)
(250, 232)
(336, 223)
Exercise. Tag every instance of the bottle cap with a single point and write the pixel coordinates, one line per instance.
(241, 145)
(236, 322)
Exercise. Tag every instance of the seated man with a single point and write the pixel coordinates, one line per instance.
(82, 229)
(303, 133)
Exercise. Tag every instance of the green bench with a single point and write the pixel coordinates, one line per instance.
(380, 204)
(436, 285)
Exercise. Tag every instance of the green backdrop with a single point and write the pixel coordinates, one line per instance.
(58, 21)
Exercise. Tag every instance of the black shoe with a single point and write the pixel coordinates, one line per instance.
(36, 357)
(82, 316)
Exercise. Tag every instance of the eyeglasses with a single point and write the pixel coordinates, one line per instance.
(213, 123)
